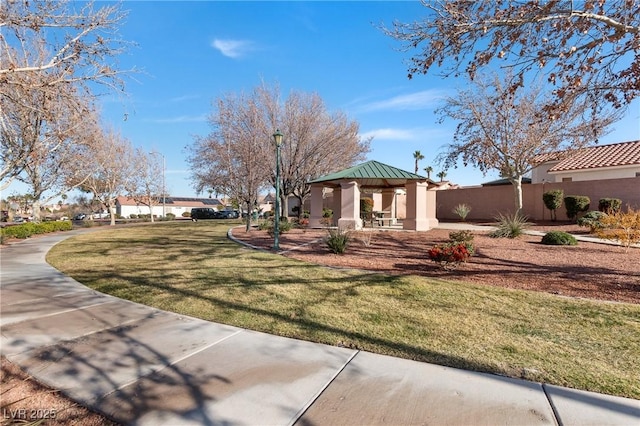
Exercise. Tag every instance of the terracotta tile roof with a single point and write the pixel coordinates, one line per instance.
(618, 154)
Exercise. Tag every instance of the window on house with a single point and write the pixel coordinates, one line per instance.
(637, 174)
(567, 179)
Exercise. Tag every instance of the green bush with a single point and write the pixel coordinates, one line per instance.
(510, 226)
(338, 240)
(327, 212)
(592, 220)
(170, 216)
(26, 230)
(553, 200)
(576, 204)
(185, 214)
(609, 205)
(559, 238)
(461, 236)
(462, 210)
(269, 226)
(464, 238)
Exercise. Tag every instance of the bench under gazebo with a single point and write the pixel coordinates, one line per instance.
(374, 176)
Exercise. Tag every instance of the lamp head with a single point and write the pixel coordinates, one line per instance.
(277, 137)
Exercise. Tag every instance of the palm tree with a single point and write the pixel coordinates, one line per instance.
(441, 175)
(428, 170)
(417, 156)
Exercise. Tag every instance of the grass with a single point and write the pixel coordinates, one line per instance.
(191, 268)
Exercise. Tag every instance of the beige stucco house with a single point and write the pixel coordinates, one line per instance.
(613, 161)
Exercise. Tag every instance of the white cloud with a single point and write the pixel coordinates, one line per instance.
(233, 48)
(412, 101)
(416, 134)
(389, 134)
(180, 119)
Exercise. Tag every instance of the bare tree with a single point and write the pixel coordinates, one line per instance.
(109, 167)
(232, 159)
(588, 47)
(51, 49)
(51, 126)
(145, 184)
(501, 129)
(44, 36)
(316, 142)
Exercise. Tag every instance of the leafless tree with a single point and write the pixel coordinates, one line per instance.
(145, 186)
(501, 129)
(109, 166)
(316, 142)
(232, 159)
(75, 40)
(41, 131)
(51, 49)
(586, 47)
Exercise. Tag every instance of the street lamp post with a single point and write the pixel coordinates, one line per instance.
(164, 202)
(277, 138)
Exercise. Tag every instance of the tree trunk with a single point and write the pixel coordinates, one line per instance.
(151, 211)
(249, 212)
(517, 189)
(35, 210)
(284, 205)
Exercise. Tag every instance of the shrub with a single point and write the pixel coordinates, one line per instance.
(510, 226)
(609, 205)
(366, 207)
(338, 240)
(592, 220)
(169, 216)
(449, 255)
(28, 229)
(461, 236)
(576, 204)
(462, 210)
(269, 225)
(622, 227)
(559, 238)
(186, 214)
(327, 212)
(553, 200)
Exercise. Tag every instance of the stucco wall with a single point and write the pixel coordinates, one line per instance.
(487, 202)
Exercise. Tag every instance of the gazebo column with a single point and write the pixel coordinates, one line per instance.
(388, 201)
(350, 206)
(421, 207)
(336, 207)
(315, 219)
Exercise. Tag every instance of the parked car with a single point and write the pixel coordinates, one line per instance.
(204, 213)
(229, 214)
(100, 215)
(80, 216)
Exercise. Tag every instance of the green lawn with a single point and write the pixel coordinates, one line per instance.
(191, 268)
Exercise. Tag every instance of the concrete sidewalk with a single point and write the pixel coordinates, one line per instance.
(140, 365)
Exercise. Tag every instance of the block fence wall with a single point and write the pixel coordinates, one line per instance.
(487, 202)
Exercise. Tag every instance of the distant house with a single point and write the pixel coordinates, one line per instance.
(126, 206)
(505, 181)
(613, 161)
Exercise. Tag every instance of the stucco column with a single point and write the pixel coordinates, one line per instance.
(315, 218)
(350, 206)
(420, 204)
(337, 205)
(388, 201)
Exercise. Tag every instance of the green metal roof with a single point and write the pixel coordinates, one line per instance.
(372, 174)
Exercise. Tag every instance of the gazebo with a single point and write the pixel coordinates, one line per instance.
(374, 176)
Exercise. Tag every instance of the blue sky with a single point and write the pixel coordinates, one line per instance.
(191, 53)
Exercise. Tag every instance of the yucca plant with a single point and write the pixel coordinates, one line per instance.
(510, 225)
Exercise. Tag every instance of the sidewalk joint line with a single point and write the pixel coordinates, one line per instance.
(315, 397)
(553, 406)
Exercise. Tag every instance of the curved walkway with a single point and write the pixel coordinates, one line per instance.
(141, 365)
